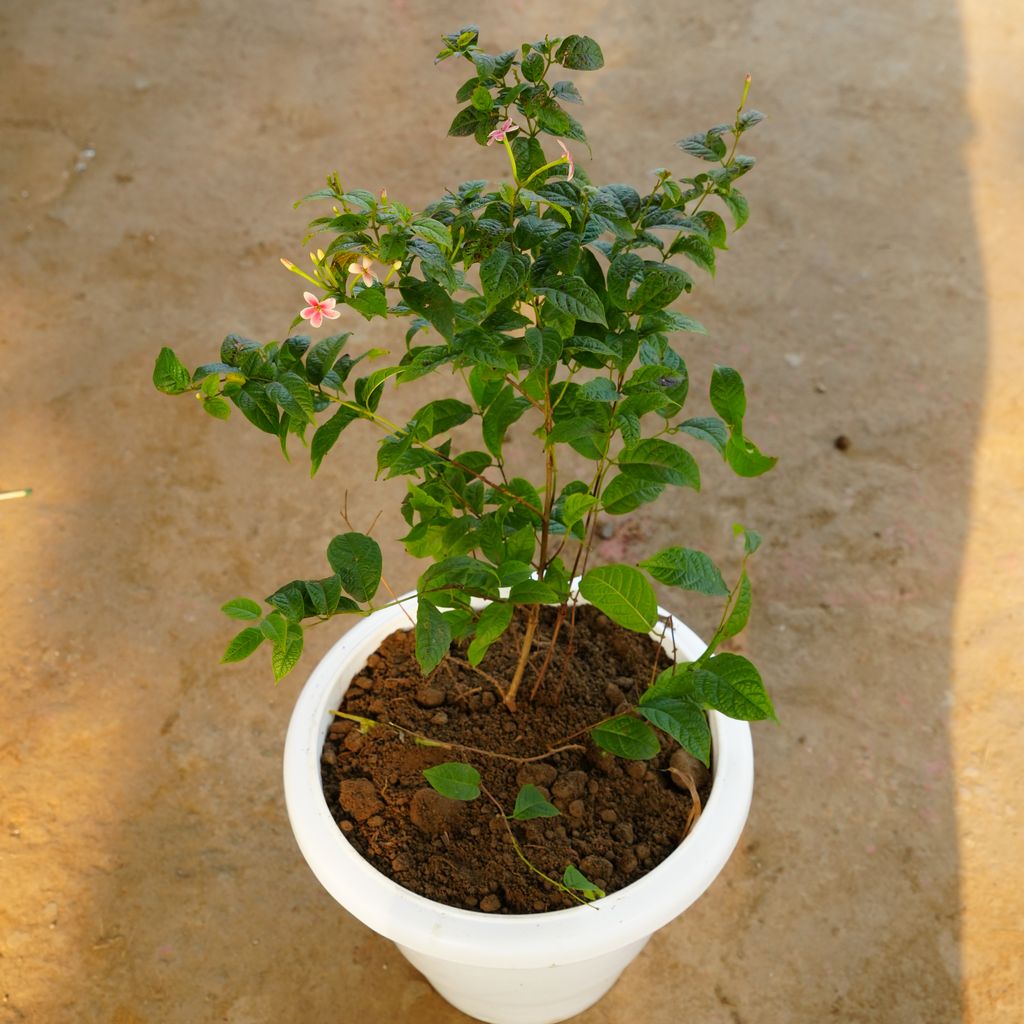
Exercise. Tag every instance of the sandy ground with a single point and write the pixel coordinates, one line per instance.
(149, 154)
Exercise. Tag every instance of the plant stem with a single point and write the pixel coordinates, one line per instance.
(524, 657)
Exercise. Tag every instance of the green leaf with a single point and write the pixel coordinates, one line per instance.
(576, 507)
(573, 878)
(243, 645)
(275, 627)
(745, 457)
(567, 92)
(433, 231)
(432, 303)
(545, 347)
(728, 396)
(533, 67)
(580, 53)
(751, 538)
(707, 428)
(530, 803)
(670, 320)
(169, 374)
(322, 356)
(242, 608)
(439, 417)
(218, 408)
(481, 99)
(697, 249)
(257, 408)
(623, 594)
(740, 613)
(433, 637)
(356, 559)
(625, 493)
(286, 653)
(688, 569)
(326, 435)
(465, 122)
(706, 145)
(660, 462)
(600, 389)
(370, 302)
(574, 296)
(623, 270)
(505, 410)
(454, 779)
(738, 206)
(502, 274)
(628, 737)
(749, 118)
(731, 684)
(533, 592)
(292, 393)
(684, 721)
(661, 285)
(493, 621)
(289, 601)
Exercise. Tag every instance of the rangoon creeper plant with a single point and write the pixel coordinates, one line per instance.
(569, 327)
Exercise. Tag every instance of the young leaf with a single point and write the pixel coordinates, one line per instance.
(243, 645)
(530, 803)
(626, 737)
(686, 568)
(433, 637)
(728, 396)
(242, 608)
(169, 374)
(454, 779)
(684, 721)
(322, 356)
(493, 621)
(275, 627)
(356, 559)
(573, 878)
(623, 594)
(740, 610)
(286, 653)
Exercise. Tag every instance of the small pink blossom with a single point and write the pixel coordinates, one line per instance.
(364, 268)
(502, 131)
(318, 309)
(568, 159)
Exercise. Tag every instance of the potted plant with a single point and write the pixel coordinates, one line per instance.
(523, 698)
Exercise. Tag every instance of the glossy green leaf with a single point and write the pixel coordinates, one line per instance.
(740, 611)
(688, 569)
(624, 594)
(286, 653)
(243, 644)
(660, 461)
(493, 621)
(433, 637)
(707, 428)
(574, 296)
(581, 53)
(169, 373)
(684, 721)
(573, 878)
(327, 434)
(731, 684)
(627, 737)
(242, 608)
(530, 803)
(454, 779)
(356, 559)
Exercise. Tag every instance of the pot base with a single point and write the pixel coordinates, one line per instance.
(500, 995)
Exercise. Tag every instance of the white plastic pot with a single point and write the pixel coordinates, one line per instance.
(506, 969)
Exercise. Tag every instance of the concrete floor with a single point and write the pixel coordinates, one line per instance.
(147, 870)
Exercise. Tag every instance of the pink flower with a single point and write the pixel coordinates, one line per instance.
(318, 309)
(568, 159)
(363, 267)
(499, 134)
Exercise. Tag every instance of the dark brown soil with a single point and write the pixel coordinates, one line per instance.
(618, 818)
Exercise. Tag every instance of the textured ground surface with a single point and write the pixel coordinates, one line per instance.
(150, 152)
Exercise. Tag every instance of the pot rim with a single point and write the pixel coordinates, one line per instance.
(502, 940)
